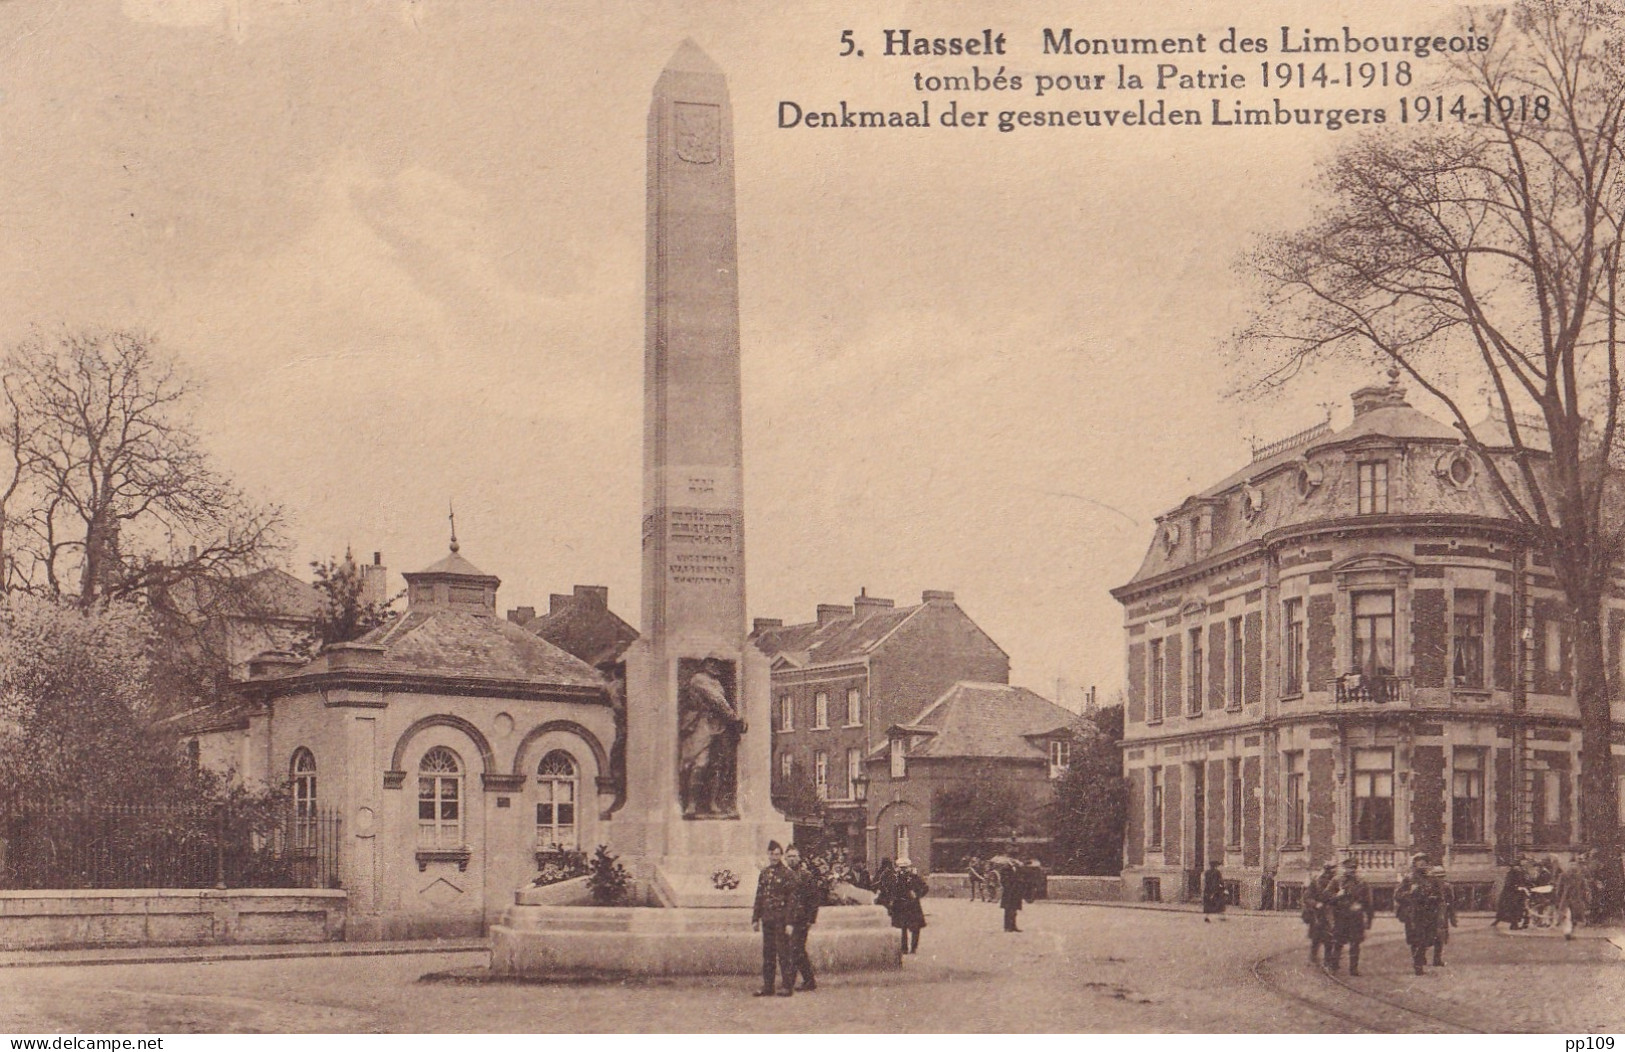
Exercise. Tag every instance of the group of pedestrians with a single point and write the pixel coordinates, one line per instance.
(1426, 904)
(788, 895)
(1531, 885)
(1337, 909)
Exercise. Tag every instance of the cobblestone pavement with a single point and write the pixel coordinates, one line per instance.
(1073, 968)
(1490, 982)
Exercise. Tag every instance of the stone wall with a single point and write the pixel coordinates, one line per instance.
(162, 917)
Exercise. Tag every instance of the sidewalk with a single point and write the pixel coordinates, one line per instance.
(234, 952)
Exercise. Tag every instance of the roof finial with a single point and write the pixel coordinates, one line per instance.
(1393, 375)
(452, 515)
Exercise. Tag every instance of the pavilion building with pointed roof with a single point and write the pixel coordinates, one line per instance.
(450, 745)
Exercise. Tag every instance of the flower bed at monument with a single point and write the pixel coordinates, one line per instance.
(553, 867)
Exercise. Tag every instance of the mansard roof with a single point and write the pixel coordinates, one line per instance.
(1312, 477)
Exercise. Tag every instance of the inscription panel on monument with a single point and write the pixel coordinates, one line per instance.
(702, 546)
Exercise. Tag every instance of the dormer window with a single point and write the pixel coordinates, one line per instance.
(1060, 757)
(1373, 492)
(1170, 535)
(1310, 475)
(1457, 467)
(1204, 531)
(899, 758)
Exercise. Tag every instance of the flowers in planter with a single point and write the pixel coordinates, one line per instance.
(558, 865)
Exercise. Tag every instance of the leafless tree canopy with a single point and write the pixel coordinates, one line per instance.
(104, 491)
(1482, 258)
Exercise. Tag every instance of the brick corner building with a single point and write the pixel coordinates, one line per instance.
(841, 680)
(1347, 648)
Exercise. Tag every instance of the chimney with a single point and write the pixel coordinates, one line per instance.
(522, 615)
(765, 624)
(1378, 396)
(598, 593)
(864, 604)
(828, 612)
(375, 581)
(934, 595)
(557, 602)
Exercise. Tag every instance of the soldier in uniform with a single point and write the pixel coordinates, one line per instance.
(1419, 904)
(1351, 916)
(1317, 912)
(1447, 916)
(809, 895)
(775, 904)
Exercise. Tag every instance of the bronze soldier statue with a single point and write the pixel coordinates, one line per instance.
(708, 742)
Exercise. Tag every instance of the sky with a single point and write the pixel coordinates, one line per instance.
(400, 246)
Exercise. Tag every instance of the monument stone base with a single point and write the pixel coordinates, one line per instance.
(608, 941)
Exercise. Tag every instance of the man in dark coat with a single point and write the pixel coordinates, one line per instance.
(1011, 892)
(1317, 912)
(1419, 904)
(1351, 916)
(1213, 889)
(809, 895)
(775, 903)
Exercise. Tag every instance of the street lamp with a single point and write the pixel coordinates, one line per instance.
(860, 788)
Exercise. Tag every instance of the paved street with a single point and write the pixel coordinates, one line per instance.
(1074, 968)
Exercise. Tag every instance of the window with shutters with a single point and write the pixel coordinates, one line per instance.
(1237, 665)
(1373, 819)
(1467, 797)
(1293, 647)
(1467, 640)
(821, 711)
(1297, 801)
(1374, 634)
(1154, 810)
(854, 707)
(1193, 688)
(1233, 801)
(1153, 690)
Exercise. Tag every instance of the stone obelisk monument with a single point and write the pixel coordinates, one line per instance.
(698, 721)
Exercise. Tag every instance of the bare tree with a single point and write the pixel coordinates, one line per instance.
(107, 493)
(1481, 252)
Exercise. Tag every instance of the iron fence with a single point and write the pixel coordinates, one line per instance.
(135, 845)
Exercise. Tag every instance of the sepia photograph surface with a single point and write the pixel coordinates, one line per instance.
(1185, 580)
